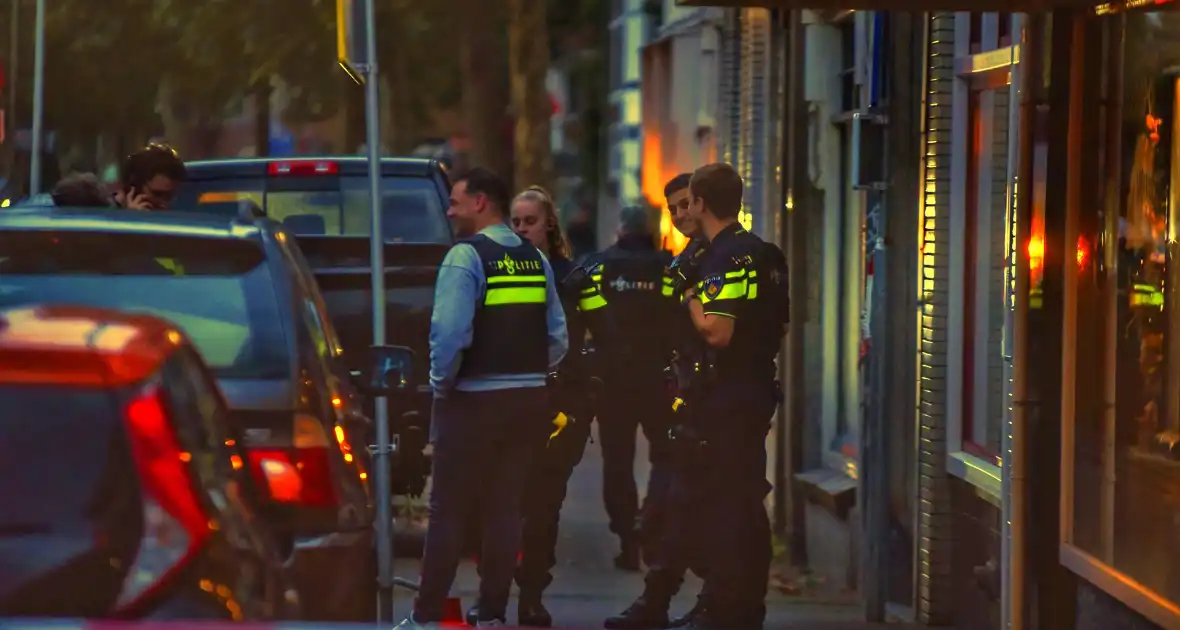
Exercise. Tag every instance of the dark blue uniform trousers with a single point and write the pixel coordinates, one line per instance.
(631, 402)
(678, 543)
(736, 529)
(484, 443)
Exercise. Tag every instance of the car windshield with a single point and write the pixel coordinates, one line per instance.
(218, 291)
(412, 209)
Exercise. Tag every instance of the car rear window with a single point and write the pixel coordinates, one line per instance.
(412, 210)
(217, 290)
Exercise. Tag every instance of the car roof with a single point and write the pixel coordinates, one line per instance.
(162, 222)
(82, 346)
(348, 165)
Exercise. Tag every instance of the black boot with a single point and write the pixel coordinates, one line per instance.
(646, 613)
(628, 558)
(472, 616)
(531, 613)
(688, 617)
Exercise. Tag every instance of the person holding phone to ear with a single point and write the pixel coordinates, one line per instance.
(148, 178)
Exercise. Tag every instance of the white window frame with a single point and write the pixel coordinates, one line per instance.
(991, 66)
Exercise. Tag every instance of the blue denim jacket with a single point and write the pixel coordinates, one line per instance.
(461, 285)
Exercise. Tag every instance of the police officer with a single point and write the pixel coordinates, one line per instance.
(655, 510)
(534, 217)
(496, 332)
(667, 519)
(739, 309)
(633, 342)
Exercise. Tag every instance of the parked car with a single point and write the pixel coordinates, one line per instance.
(325, 203)
(242, 292)
(122, 490)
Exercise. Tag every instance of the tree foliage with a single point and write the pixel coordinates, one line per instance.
(124, 66)
(528, 62)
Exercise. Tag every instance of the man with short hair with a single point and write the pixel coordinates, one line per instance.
(667, 522)
(738, 309)
(148, 178)
(496, 332)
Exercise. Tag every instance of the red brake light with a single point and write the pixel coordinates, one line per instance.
(303, 167)
(81, 346)
(301, 475)
(175, 525)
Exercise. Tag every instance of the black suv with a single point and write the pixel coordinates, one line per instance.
(324, 203)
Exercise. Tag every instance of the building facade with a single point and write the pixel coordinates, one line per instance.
(630, 30)
(679, 79)
(981, 427)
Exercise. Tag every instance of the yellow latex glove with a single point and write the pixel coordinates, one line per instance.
(559, 421)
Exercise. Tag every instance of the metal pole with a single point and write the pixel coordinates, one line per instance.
(377, 253)
(1011, 500)
(38, 98)
(13, 67)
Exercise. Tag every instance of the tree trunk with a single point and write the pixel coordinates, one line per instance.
(528, 62)
(485, 94)
(172, 116)
(402, 125)
(354, 115)
(262, 91)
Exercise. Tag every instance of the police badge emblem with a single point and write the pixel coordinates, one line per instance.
(712, 286)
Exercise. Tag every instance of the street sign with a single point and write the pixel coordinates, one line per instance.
(352, 49)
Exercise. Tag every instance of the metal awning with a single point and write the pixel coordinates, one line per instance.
(1013, 6)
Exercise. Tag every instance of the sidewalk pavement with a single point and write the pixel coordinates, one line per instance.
(587, 588)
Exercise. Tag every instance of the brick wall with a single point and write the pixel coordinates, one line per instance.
(934, 509)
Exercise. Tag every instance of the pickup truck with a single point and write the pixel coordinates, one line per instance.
(325, 203)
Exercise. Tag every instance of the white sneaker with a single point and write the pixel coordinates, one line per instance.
(410, 624)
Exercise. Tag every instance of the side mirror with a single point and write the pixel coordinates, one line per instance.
(388, 371)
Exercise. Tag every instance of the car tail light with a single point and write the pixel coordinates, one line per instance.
(175, 525)
(300, 475)
(303, 167)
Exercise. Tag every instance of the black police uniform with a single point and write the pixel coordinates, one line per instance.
(633, 343)
(489, 435)
(669, 523)
(657, 511)
(549, 476)
(743, 278)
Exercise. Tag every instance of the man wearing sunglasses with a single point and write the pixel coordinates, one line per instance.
(149, 178)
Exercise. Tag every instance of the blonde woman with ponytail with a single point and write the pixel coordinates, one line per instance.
(534, 217)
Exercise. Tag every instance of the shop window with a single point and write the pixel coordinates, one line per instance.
(981, 216)
(1121, 474)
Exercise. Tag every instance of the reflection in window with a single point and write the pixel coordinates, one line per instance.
(986, 212)
(1126, 455)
